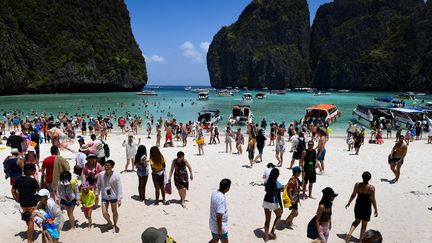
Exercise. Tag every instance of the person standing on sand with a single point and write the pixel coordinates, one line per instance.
(251, 148)
(272, 202)
(293, 190)
(260, 143)
(308, 161)
(23, 192)
(200, 140)
(181, 181)
(323, 222)
(142, 170)
(239, 141)
(365, 193)
(158, 134)
(110, 188)
(358, 140)
(321, 149)
(157, 163)
(228, 139)
(279, 148)
(219, 213)
(396, 157)
(131, 148)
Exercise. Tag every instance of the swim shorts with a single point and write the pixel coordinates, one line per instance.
(320, 158)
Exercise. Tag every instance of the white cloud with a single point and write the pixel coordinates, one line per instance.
(155, 58)
(191, 52)
(205, 46)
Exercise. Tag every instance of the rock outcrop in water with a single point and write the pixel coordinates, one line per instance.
(371, 44)
(68, 46)
(267, 47)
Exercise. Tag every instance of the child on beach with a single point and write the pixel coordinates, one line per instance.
(87, 199)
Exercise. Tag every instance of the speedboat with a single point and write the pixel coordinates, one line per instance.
(385, 101)
(247, 96)
(188, 88)
(209, 116)
(323, 112)
(319, 93)
(344, 91)
(203, 95)
(279, 92)
(224, 92)
(147, 93)
(407, 117)
(241, 114)
(366, 114)
(260, 95)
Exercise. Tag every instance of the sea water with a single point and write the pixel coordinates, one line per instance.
(185, 107)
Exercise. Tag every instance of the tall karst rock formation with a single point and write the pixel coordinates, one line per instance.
(68, 46)
(268, 46)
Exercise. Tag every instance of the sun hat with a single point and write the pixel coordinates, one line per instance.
(31, 149)
(329, 191)
(153, 235)
(296, 169)
(43, 193)
(84, 148)
(91, 156)
(14, 151)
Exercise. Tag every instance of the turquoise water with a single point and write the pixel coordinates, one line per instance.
(288, 107)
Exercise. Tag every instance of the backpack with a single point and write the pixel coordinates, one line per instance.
(6, 167)
(106, 149)
(301, 145)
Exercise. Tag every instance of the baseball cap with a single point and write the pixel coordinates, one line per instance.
(43, 193)
(296, 169)
(329, 191)
(91, 156)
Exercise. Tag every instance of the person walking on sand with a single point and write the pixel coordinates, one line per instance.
(358, 140)
(23, 192)
(157, 163)
(280, 148)
(396, 157)
(181, 179)
(200, 141)
(321, 149)
(131, 148)
(109, 186)
(365, 193)
(219, 213)
(68, 195)
(323, 222)
(239, 138)
(142, 170)
(260, 143)
(251, 148)
(272, 202)
(87, 199)
(309, 161)
(293, 190)
(228, 139)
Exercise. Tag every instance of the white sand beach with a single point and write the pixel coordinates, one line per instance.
(404, 214)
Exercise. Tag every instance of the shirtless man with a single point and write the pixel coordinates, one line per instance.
(321, 149)
(396, 157)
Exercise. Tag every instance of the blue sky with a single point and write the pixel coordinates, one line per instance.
(174, 35)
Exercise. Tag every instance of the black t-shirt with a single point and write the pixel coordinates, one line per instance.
(35, 138)
(27, 187)
(260, 141)
(310, 161)
(15, 142)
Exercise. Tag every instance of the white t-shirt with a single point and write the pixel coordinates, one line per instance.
(266, 174)
(80, 159)
(218, 205)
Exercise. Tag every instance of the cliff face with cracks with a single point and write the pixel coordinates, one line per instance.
(68, 46)
(267, 47)
(372, 45)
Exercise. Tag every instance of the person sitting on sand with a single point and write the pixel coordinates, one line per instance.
(365, 193)
(272, 202)
(239, 141)
(181, 180)
(396, 157)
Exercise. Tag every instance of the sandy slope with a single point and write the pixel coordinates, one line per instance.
(403, 207)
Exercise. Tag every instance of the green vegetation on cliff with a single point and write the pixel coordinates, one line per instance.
(68, 46)
(267, 47)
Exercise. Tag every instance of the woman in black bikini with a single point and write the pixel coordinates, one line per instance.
(362, 210)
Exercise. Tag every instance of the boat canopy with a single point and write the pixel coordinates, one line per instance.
(327, 107)
(384, 99)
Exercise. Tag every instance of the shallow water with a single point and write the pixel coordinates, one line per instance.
(278, 108)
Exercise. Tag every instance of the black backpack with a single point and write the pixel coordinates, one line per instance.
(106, 149)
(301, 145)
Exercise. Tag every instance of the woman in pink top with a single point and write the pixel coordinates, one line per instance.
(91, 172)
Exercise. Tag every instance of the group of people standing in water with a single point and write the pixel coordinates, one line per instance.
(96, 179)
